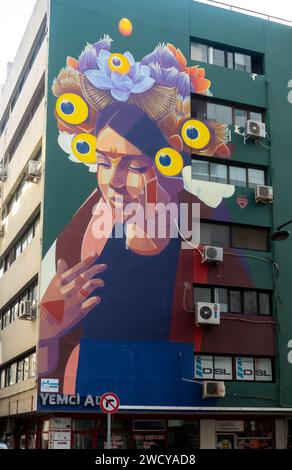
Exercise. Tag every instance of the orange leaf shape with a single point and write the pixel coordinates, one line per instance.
(178, 55)
(71, 62)
(201, 84)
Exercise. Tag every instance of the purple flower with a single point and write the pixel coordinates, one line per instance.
(165, 70)
(162, 56)
(170, 77)
(87, 59)
(120, 74)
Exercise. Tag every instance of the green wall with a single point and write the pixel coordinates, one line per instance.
(176, 21)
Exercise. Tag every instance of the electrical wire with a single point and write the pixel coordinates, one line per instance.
(191, 244)
(263, 145)
(250, 321)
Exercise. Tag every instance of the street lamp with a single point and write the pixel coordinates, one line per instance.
(281, 235)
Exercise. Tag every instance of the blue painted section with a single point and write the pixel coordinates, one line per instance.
(137, 297)
(148, 374)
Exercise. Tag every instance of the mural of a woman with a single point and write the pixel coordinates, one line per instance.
(106, 315)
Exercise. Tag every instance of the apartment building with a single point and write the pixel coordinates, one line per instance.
(109, 104)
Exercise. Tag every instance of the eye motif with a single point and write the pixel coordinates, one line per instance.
(119, 63)
(72, 108)
(195, 134)
(84, 148)
(169, 161)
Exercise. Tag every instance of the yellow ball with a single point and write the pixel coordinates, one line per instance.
(125, 27)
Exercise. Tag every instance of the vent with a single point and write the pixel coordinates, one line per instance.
(207, 313)
(213, 254)
(28, 310)
(264, 194)
(33, 171)
(213, 390)
(255, 130)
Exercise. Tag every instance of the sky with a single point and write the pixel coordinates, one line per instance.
(15, 14)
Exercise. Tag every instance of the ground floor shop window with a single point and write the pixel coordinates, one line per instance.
(253, 434)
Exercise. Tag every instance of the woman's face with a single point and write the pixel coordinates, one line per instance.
(124, 174)
(123, 171)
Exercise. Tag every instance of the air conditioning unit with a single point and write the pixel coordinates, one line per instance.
(33, 171)
(264, 194)
(3, 172)
(207, 314)
(213, 390)
(213, 253)
(27, 310)
(254, 130)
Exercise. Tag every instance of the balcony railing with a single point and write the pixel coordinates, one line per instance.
(246, 11)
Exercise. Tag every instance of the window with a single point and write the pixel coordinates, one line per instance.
(32, 364)
(215, 235)
(242, 62)
(199, 52)
(12, 373)
(250, 238)
(218, 173)
(219, 112)
(222, 298)
(21, 244)
(264, 303)
(18, 371)
(218, 57)
(235, 300)
(200, 170)
(250, 302)
(240, 117)
(255, 177)
(26, 368)
(20, 367)
(237, 176)
(225, 57)
(33, 54)
(229, 113)
(203, 294)
(22, 128)
(225, 173)
(11, 313)
(234, 236)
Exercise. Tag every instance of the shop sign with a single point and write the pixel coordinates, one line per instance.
(59, 444)
(50, 385)
(263, 370)
(229, 425)
(59, 399)
(245, 368)
(209, 368)
(222, 368)
(204, 367)
(60, 424)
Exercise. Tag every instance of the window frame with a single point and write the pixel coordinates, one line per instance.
(229, 52)
(215, 161)
(228, 104)
(241, 290)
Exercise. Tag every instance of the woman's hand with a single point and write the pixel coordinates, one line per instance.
(67, 300)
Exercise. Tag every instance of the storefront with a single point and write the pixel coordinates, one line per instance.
(142, 432)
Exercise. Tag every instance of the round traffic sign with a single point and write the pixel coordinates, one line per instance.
(109, 402)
